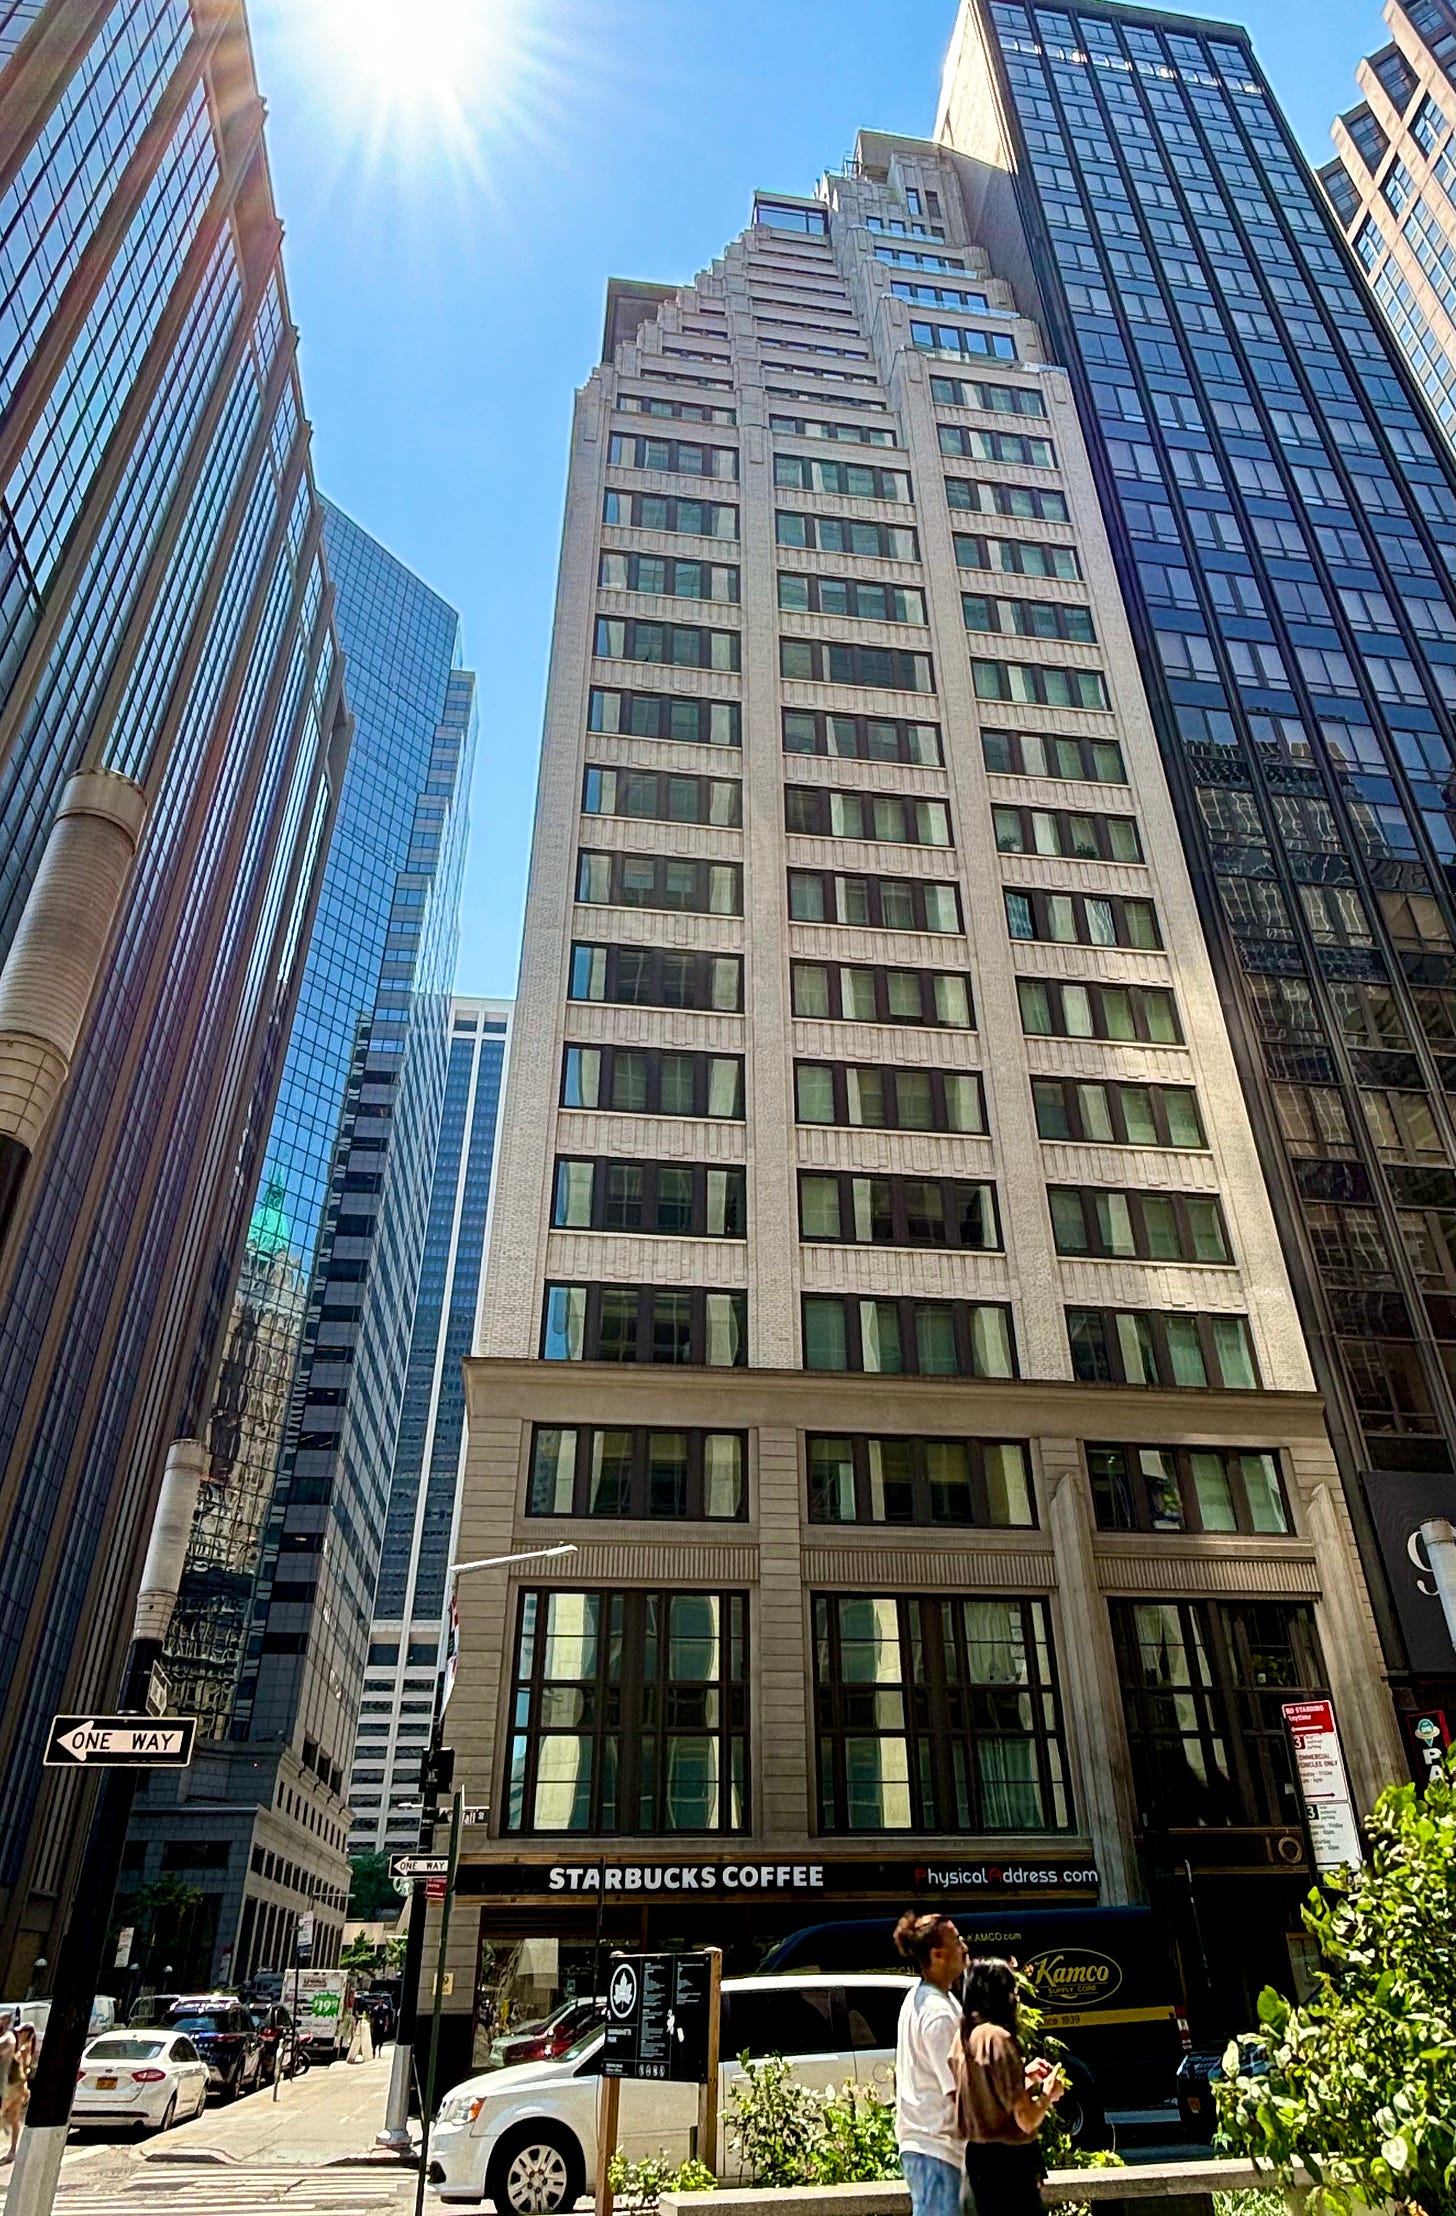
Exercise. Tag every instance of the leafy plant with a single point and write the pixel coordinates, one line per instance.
(1359, 2082)
(773, 2122)
(1055, 2136)
(641, 2185)
(856, 2142)
(373, 1895)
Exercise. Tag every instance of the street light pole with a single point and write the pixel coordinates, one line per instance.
(79, 1961)
(437, 1773)
(1439, 1539)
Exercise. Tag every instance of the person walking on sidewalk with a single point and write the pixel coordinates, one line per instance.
(18, 2067)
(361, 2040)
(1002, 2101)
(928, 2037)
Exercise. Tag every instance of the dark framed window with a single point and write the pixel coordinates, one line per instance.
(851, 596)
(919, 1481)
(937, 1713)
(1137, 1346)
(893, 819)
(654, 511)
(855, 994)
(1154, 1227)
(910, 1338)
(862, 738)
(885, 903)
(1042, 684)
(969, 444)
(668, 574)
(656, 977)
(1203, 1683)
(1050, 1009)
(1016, 558)
(857, 480)
(1039, 754)
(887, 542)
(684, 457)
(1114, 1114)
(1136, 1488)
(965, 392)
(665, 716)
(893, 668)
(1028, 619)
(675, 882)
(645, 1323)
(960, 338)
(662, 796)
(1068, 833)
(940, 296)
(630, 1713)
(855, 434)
(691, 411)
(1082, 919)
(594, 1470)
(683, 645)
(876, 1097)
(666, 1199)
(981, 496)
(652, 1081)
(898, 1211)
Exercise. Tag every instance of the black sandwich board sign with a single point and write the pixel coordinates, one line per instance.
(120, 1742)
(657, 2017)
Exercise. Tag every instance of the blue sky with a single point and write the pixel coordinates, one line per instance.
(447, 273)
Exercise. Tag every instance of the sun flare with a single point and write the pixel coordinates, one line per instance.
(425, 53)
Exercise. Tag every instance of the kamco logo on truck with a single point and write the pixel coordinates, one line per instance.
(1072, 1977)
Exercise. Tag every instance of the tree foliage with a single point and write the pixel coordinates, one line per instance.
(1359, 2082)
(373, 1897)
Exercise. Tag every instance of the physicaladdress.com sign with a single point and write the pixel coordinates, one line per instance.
(828, 1880)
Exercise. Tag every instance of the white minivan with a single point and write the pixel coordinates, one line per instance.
(527, 2136)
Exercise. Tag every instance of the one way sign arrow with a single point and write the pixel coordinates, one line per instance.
(121, 1742)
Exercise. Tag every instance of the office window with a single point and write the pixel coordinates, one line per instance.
(1080, 838)
(1028, 619)
(644, 1323)
(893, 668)
(853, 434)
(968, 444)
(960, 338)
(1111, 1114)
(898, 1211)
(1040, 682)
(630, 1713)
(658, 796)
(1082, 919)
(862, 738)
(652, 1081)
(886, 903)
(689, 411)
(847, 814)
(1203, 1686)
(861, 993)
(656, 977)
(886, 542)
(665, 716)
(683, 645)
(857, 480)
(1039, 754)
(684, 457)
(919, 1481)
(969, 392)
(668, 575)
(1050, 1009)
(918, 1338)
(985, 498)
(668, 881)
(671, 1199)
(1154, 1227)
(867, 1097)
(1016, 557)
(810, 222)
(937, 1713)
(1137, 1488)
(688, 1476)
(1132, 1346)
(655, 511)
(850, 596)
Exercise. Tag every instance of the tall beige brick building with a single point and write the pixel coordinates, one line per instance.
(883, 1296)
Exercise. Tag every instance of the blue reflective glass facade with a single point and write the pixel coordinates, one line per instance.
(1283, 513)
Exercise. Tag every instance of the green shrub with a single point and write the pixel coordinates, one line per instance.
(641, 2185)
(772, 2122)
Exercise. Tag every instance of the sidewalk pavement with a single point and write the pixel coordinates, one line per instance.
(329, 2115)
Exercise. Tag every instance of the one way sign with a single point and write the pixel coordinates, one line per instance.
(121, 1742)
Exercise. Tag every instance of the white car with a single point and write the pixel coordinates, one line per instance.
(527, 2136)
(152, 2079)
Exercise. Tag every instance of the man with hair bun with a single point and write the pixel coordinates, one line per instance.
(927, 2125)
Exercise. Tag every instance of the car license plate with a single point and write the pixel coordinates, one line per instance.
(106, 2085)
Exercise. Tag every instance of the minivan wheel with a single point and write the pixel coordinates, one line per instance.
(536, 2171)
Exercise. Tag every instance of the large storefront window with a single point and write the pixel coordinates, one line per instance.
(937, 1714)
(1203, 1684)
(630, 1713)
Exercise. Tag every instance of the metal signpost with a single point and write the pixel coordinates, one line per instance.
(662, 2024)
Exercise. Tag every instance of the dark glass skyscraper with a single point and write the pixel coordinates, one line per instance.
(272, 1626)
(172, 737)
(1282, 512)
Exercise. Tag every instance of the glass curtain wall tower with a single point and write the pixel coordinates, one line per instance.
(405, 1648)
(268, 1643)
(1282, 511)
(172, 741)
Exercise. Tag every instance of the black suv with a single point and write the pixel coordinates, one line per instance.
(226, 2037)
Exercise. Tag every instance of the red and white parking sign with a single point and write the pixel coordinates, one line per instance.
(1333, 1832)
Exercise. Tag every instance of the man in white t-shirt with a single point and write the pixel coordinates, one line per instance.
(932, 2149)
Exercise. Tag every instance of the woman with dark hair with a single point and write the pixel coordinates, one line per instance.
(930, 2140)
(1002, 2101)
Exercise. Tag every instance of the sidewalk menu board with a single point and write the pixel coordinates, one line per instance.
(657, 2017)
